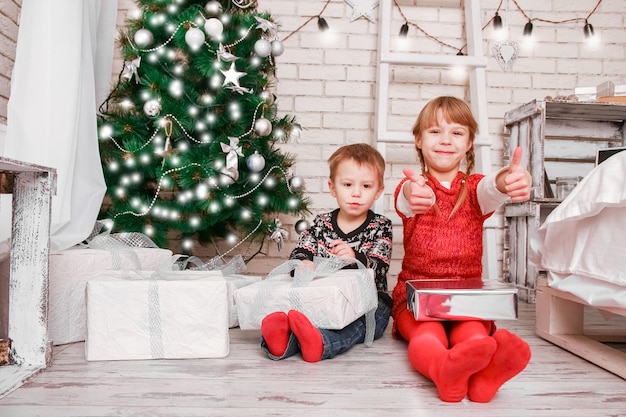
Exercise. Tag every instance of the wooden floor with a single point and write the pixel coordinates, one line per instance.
(376, 381)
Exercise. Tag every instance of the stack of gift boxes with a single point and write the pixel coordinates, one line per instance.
(151, 310)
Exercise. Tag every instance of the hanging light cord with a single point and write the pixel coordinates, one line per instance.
(307, 21)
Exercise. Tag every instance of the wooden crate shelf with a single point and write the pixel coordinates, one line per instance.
(559, 139)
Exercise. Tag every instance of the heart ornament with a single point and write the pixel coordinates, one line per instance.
(506, 53)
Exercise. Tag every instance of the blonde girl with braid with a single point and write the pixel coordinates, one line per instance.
(443, 210)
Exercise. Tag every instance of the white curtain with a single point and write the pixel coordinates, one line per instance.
(62, 73)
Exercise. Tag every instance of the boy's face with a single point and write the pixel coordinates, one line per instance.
(355, 187)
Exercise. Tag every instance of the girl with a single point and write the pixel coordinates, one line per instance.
(442, 212)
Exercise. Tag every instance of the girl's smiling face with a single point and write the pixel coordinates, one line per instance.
(444, 146)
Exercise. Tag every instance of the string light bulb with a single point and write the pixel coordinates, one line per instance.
(404, 30)
(322, 24)
(528, 29)
(497, 22)
(588, 30)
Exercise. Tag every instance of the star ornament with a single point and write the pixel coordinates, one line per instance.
(232, 76)
(362, 8)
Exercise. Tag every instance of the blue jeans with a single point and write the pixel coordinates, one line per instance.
(339, 341)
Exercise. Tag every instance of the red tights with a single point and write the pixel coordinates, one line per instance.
(466, 360)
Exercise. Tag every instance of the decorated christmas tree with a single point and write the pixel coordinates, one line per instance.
(188, 135)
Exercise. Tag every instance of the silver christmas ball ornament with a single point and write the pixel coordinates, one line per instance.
(267, 96)
(277, 48)
(152, 107)
(262, 127)
(301, 225)
(255, 162)
(262, 48)
(296, 184)
(213, 8)
(228, 176)
(143, 38)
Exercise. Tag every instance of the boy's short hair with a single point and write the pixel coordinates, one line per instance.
(363, 154)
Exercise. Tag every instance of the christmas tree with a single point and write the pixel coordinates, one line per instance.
(188, 134)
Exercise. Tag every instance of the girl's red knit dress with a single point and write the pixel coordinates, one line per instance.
(438, 246)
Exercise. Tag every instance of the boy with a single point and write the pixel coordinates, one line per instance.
(352, 231)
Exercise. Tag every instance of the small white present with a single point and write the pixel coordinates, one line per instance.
(180, 314)
(330, 302)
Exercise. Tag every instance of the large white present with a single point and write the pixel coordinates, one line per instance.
(69, 271)
(330, 302)
(173, 315)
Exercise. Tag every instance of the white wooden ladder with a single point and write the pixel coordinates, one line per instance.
(475, 63)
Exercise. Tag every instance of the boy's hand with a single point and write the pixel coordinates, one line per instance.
(341, 249)
(419, 195)
(517, 180)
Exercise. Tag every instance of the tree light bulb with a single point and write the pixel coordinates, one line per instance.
(148, 230)
(187, 244)
(231, 239)
(106, 131)
(194, 222)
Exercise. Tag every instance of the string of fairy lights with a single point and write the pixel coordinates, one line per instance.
(496, 20)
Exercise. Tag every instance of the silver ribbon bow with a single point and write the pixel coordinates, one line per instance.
(278, 234)
(130, 69)
(233, 152)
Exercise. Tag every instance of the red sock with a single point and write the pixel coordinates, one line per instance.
(511, 357)
(461, 362)
(275, 331)
(310, 338)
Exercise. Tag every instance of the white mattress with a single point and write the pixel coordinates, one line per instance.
(582, 243)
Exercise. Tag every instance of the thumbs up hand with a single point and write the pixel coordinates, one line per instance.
(516, 181)
(419, 195)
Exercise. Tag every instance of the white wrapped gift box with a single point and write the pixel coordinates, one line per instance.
(330, 302)
(180, 314)
(69, 271)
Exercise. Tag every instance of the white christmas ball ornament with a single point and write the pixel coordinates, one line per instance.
(262, 127)
(296, 184)
(143, 38)
(152, 107)
(228, 176)
(255, 162)
(301, 225)
(213, 8)
(194, 38)
(214, 28)
(277, 48)
(262, 48)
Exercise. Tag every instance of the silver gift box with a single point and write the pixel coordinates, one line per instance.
(441, 299)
